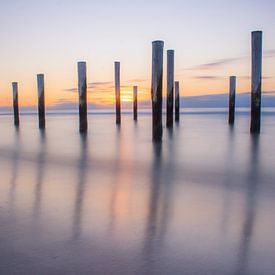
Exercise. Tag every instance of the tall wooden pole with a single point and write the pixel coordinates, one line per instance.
(170, 89)
(232, 95)
(256, 87)
(41, 101)
(177, 101)
(135, 102)
(15, 103)
(156, 88)
(82, 93)
(117, 91)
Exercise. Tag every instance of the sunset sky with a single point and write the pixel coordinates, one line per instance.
(211, 39)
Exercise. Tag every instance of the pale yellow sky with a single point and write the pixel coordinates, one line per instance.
(51, 36)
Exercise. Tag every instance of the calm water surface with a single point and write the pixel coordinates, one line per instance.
(112, 202)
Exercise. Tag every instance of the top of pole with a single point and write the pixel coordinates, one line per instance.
(258, 31)
(158, 42)
(81, 64)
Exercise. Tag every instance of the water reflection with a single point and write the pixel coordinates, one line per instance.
(14, 166)
(41, 166)
(253, 179)
(167, 186)
(229, 175)
(81, 185)
(160, 201)
(153, 207)
(116, 182)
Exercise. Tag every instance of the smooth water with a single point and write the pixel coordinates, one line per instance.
(112, 202)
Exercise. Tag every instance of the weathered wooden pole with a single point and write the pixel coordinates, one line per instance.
(135, 102)
(156, 88)
(256, 87)
(117, 91)
(232, 95)
(170, 89)
(15, 103)
(177, 101)
(82, 94)
(41, 101)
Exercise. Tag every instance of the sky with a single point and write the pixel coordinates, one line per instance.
(211, 39)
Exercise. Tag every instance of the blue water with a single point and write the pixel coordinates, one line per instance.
(112, 202)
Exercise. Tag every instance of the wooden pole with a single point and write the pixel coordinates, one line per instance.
(15, 103)
(170, 89)
(156, 89)
(117, 91)
(41, 101)
(177, 101)
(256, 87)
(232, 95)
(82, 93)
(135, 102)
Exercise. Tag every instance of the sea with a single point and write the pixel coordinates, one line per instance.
(112, 201)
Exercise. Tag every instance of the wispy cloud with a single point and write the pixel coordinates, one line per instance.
(269, 53)
(100, 84)
(214, 64)
(72, 90)
(246, 77)
(208, 77)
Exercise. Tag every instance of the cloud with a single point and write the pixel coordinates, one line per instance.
(72, 90)
(216, 63)
(269, 53)
(246, 77)
(100, 84)
(225, 61)
(138, 80)
(208, 77)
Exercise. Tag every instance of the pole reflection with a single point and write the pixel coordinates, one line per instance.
(250, 206)
(41, 165)
(14, 167)
(229, 175)
(116, 181)
(80, 188)
(153, 208)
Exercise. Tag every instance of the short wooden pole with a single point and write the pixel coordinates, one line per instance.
(170, 89)
(82, 93)
(177, 101)
(135, 102)
(41, 101)
(256, 87)
(117, 91)
(232, 95)
(156, 88)
(15, 103)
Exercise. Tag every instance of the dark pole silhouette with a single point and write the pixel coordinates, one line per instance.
(117, 91)
(232, 93)
(156, 89)
(170, 89)
(256, 88)
(15, 103)
(177, 101)
(41, 101)
(135, 102)
(82, 93)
